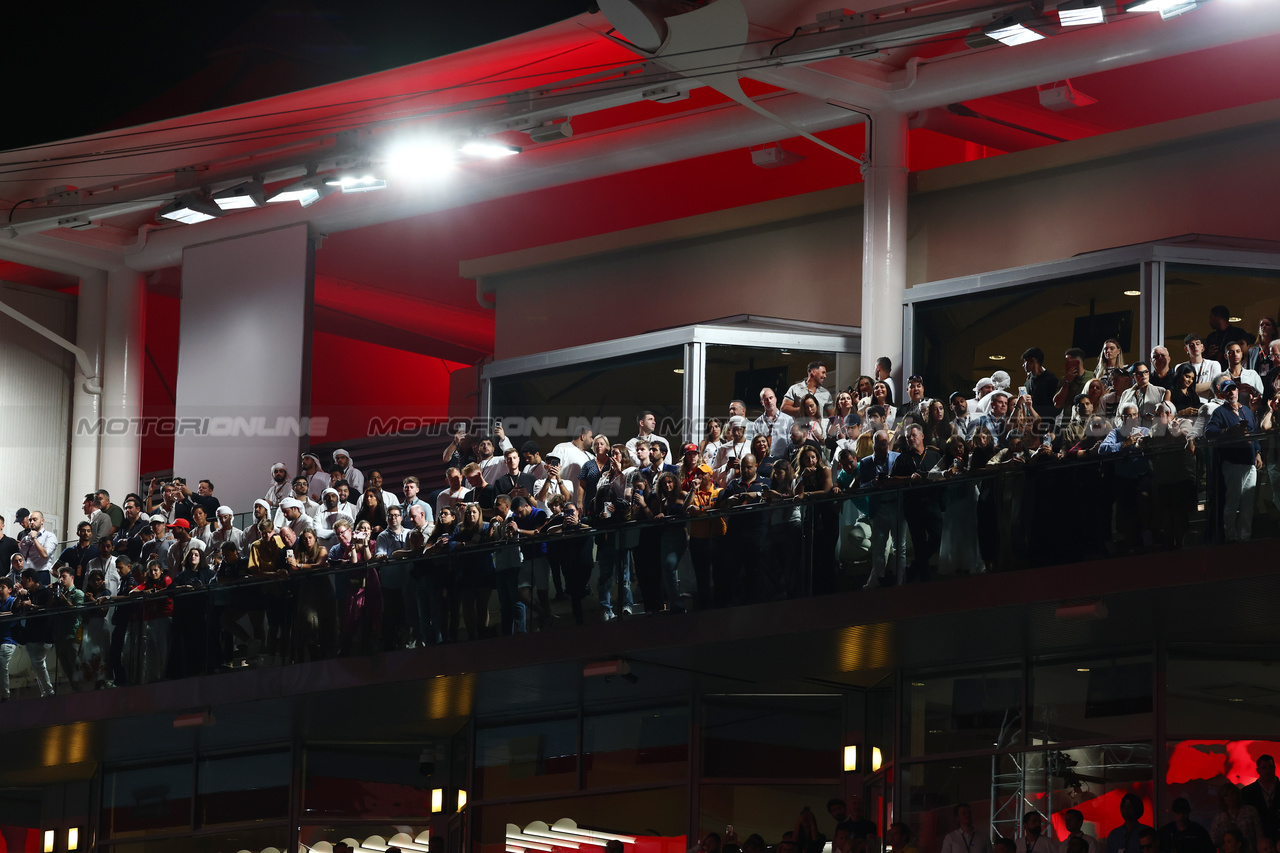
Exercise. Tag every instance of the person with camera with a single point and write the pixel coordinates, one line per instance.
(66, 626)
(513, 614)
(535, 572)
(573, 554)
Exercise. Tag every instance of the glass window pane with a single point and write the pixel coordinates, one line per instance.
(787, 737)
(367, 781)
(530, 758)
(241, 788)
(609, 394)
(139, 800)
(1191, 291)
(964, 338)
(1209, 696)
(738, 373)
(22, 820)
(933, 789)
(657, 818)
(767, 810)
(634, 747)
(959, 713)
(1086, 699)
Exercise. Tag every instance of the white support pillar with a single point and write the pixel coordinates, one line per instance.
(122, 366)
(86, 407)
(884, 240)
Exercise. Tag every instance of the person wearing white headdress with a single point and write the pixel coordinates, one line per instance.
(350, 473)
(225, 532)
(317, 479)
(331, 509)
(261, 510)
(981, 396)
(279, 484)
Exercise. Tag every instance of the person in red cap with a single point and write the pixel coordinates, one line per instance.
(689, 466)
(172, 552)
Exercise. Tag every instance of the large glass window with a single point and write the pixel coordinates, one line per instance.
(1092, 699)
(635, 747)
(1191, 291)
(529, 758)
(368, 781)
(738, 373)
(948, 712)
(772, 737)
(1209, 696)
(243, 788)
(609, 394)
(1196, 769)
(224, 841)
(961, 339)
(140, 800)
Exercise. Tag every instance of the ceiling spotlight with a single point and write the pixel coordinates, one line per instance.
(1167, 8)
(996, 357)
(305, 192)
(1078, 13)
(550, 132)
(1011, 30)
(190, 209)
(419, 161)
(357, 183)
(488, 149)
(242, 196)
(1133, 293)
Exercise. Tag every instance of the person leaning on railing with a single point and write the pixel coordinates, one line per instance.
(1239, 457)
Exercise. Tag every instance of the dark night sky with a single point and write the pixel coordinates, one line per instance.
(94, 67)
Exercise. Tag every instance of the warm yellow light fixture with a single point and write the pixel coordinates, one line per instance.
(996, 357)
(850, 758)
(48, 841)
(876, 759)
(462, 799)
(73, 838)
(1133, 293)
(437, 800)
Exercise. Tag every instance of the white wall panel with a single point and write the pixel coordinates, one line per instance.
(35, 405)
(243, 361)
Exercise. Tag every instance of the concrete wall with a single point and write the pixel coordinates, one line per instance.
(35, 405)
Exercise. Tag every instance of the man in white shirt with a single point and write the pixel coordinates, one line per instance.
(454, 492)
(489, 456)
(226, 533)
(394, 537)
(774, 423)
(317, 479)
(37, 549)
(731, 451)
(545, 488)
(1240, 374)
(279, 489)
(353, 475)
(811, 384)
(647, 422)
(418, 521)
(1205, 369)
(572, 455)
(966, 838)
(105, 562)
(1031, 840)
(294, 517)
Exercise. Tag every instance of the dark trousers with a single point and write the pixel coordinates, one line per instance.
(925, 524)
(700, 556)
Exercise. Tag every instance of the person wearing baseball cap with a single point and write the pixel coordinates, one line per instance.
(698, 501)
(689, 465)
(173, 551)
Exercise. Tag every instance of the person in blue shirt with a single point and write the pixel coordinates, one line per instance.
(1239, 458)
(1133, 472)
(7, 644)
(874, 473)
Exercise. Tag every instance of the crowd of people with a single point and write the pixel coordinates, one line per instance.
(790, 502)
(1247, 820)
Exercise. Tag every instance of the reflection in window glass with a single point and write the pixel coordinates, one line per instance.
(1083, 700)
(881, 716)
(139, 800)
(961, 339)
(658, 816)
(609, 394)
(933, 789)
(1195, 769)
(958, 713)
(786, 737)
(1191, 291)
(767, 810)
(238, 789)
(367, 781)
(634, 747)
(22, 820)
(530, 758)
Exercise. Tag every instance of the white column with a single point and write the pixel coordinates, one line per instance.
(884, 240)
(86, 408)
(244, 355)
(122, 366)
